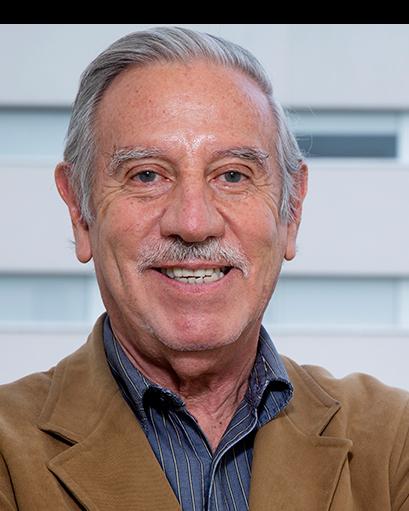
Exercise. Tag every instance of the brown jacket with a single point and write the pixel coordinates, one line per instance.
(68, 441)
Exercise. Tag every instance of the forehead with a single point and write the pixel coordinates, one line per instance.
(168, 100)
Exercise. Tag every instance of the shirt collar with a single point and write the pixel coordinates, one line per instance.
(268, 373)
(268, 369)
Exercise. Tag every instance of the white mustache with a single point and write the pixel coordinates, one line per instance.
(176, 250)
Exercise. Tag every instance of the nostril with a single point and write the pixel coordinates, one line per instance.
(192, 219)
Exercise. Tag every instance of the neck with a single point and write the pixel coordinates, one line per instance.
(214, 402)
(212, 383)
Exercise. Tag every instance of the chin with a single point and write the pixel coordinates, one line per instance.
(195, 342)
(193, 347)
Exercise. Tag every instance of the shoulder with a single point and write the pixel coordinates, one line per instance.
(25, 398)
(365, 402)
(353, 387)
(22, 401)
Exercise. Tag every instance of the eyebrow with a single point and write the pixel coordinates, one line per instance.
(122, 155)
(246, 153)
(119, 156)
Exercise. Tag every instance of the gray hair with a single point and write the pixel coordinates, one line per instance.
(166, 44)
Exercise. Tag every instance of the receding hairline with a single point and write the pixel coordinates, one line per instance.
(191, 61)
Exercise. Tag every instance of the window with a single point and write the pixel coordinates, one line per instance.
(48, 301)
(350, 134)
(336, 304)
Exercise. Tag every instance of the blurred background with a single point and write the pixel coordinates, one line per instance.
(343, 303)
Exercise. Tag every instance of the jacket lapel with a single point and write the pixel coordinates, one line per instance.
(294, 466)
(108, 463)
(114, 467)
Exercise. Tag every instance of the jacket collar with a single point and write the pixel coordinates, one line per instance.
(109, 463)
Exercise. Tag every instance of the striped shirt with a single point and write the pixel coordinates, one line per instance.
(202, 479)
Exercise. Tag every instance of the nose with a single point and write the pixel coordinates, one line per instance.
(191, 213)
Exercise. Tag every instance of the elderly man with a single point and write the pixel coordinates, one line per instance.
(185, 187)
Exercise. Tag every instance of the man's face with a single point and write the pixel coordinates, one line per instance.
(202, 168)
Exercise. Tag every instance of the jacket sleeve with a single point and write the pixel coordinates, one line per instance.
(399, 465)
(7, 501)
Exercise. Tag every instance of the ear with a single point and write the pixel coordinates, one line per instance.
(301, 183)
(79, 226)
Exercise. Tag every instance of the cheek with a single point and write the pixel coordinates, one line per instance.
(134, 215)
(263, 240)
(121, 226)
(258, 216)
(260, 228)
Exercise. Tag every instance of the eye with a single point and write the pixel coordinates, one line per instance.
(233, 176)
(146, 176)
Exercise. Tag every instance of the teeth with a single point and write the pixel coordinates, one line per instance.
(200, 273)
(200, 276)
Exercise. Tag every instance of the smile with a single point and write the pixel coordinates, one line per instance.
(196, 276)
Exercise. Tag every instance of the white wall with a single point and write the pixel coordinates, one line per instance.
(355, 217)
(355, 220)
(382, 356)
(326, 65)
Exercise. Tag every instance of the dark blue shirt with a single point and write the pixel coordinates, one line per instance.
(203, 480)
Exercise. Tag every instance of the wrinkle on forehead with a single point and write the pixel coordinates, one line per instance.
(184, 87)
(186, 108)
